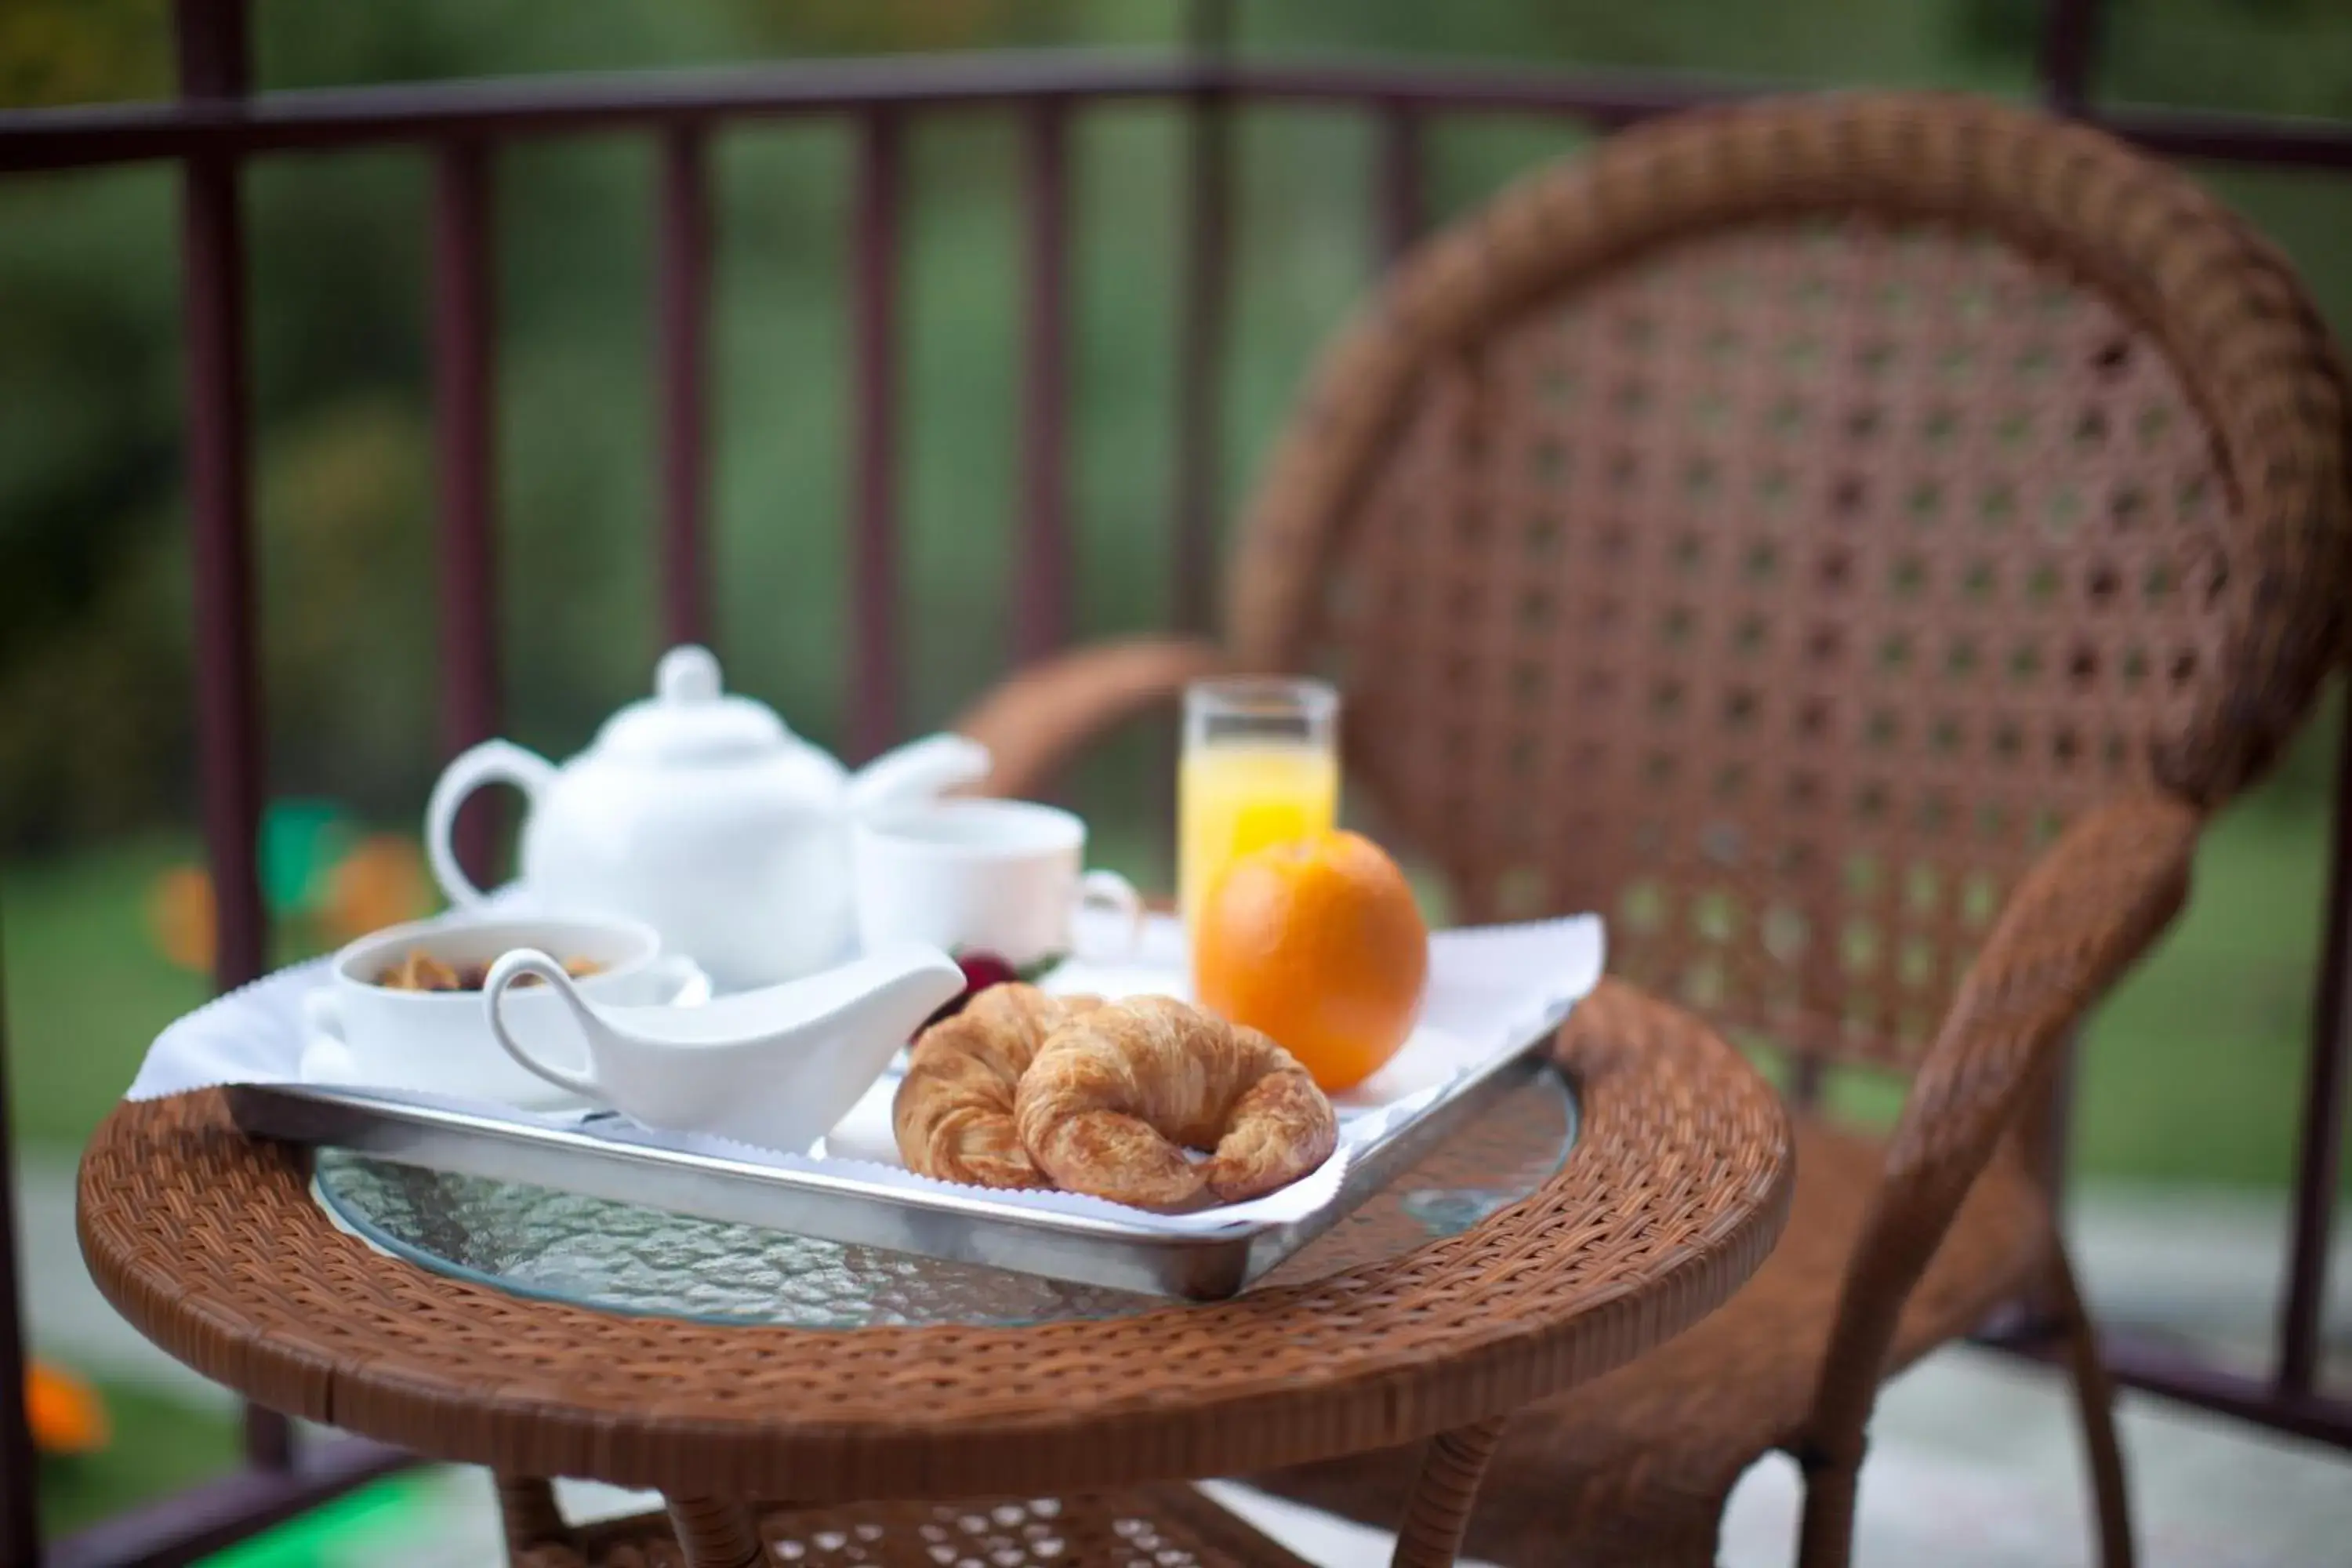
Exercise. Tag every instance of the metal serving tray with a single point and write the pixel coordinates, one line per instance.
(953, 1223)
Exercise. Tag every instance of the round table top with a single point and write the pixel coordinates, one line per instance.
(210, 1243)
(645, 1262)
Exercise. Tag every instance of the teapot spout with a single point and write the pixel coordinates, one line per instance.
(916, 772)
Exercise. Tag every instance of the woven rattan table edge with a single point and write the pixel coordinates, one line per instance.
(543, 1425)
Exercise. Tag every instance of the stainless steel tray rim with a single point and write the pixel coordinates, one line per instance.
(955, 1224)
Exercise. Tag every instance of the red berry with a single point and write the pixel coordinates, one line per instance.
(982, 970)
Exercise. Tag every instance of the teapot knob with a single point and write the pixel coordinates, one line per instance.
(687, 674)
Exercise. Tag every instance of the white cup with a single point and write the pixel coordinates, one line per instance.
(367, 1035)
(1006, 877)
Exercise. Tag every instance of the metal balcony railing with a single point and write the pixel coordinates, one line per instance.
(215, 126)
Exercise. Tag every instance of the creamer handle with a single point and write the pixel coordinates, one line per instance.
(512, 967)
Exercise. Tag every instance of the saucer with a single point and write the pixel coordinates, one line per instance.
(310, 1068)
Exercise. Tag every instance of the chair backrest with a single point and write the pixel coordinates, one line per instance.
(1769, 530)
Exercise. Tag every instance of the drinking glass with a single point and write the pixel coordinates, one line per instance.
(1260, 766)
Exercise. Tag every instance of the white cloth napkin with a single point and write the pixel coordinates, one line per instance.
(1492, 989)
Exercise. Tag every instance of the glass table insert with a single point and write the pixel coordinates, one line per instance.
(626, 1257)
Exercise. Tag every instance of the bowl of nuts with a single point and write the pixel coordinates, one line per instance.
(401, 1008)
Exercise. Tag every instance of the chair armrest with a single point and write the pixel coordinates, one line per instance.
(2082, 915)
(1037, 720)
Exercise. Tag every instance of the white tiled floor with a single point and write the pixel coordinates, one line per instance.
(1974, 1465)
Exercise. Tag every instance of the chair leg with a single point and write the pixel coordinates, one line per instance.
(2095, 1397)
(1825, 1532)
(716, 1533)
(1442, 1497)
(527, 1509)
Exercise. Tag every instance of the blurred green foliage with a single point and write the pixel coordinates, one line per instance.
(95, 725)
(81, 51)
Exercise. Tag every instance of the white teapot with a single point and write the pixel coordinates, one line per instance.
(701, 814)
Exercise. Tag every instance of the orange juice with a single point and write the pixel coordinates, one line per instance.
(1232, 799)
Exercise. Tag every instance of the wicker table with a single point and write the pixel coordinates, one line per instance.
(210, 1244)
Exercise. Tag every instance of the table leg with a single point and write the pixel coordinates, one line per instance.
(715, 1532)
(527, 1507)
(1442, 1497)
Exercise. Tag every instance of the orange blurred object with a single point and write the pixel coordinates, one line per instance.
(1317, 942)
(65, 1414)
(180, 909)
(380, 883)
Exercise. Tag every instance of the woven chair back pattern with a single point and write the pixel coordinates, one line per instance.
(1782, 587)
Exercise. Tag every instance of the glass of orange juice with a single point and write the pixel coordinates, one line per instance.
(1260, 766)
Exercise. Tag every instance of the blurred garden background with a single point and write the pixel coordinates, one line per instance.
(2191, 1078)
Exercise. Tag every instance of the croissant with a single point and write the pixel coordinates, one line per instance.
(953, 1115)
(1116, 1094)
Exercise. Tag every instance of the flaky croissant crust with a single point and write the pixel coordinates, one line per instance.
(953, 1115)
(1114, 1096)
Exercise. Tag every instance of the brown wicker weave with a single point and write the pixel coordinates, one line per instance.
(210, 1243)
(1776, 530)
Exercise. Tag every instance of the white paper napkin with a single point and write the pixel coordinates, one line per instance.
(1491, 990)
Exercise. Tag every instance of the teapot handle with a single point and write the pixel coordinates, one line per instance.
(492, 761)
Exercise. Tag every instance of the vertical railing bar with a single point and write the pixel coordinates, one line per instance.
(683, 282)
(2053, 1123)
(2070, 47)
(2070, 38)
(219, 497)
(20, 1499)
(1806, 1074)
(874, 544)
(213, 64)
(212, 47)
(1201, 286)
(1041, 592)
(464, 319)
(1400, 208)
(1199, 323)
(2318, 1158)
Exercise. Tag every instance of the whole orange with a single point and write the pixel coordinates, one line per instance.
(1318, 944)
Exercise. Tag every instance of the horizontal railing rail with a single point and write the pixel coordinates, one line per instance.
(216, 125)
(520, 107)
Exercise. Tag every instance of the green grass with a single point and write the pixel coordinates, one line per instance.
(87, 984)
(160, 1446)
(2193, 1071)
(87, 987)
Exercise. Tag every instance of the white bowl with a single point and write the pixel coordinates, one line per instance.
(366, 1035)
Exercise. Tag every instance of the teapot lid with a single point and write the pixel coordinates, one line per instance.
(688, 718)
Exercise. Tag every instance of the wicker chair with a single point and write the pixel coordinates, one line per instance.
(1854, 542)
